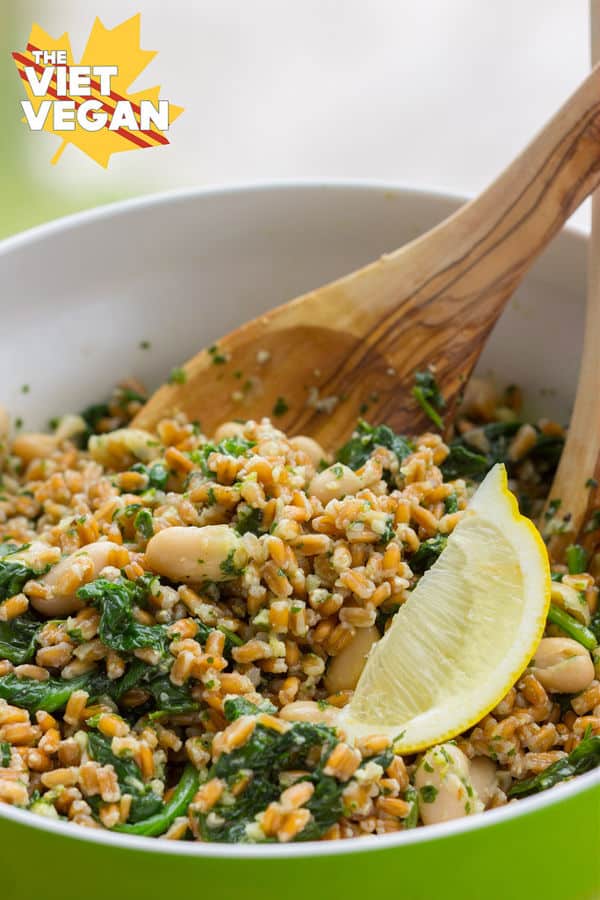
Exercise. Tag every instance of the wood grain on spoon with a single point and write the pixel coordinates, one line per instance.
(578, 474)
(353, 346)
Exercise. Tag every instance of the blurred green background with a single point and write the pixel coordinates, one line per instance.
(28, 196)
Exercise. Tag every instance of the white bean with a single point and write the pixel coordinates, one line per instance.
(33, 445)
(344, 669)
(190, 554)
(571, 601)
(114, 449)
(484, 778)
(334, 483)
(310, 447)
(69, 574)
(563, 666)
(69, 426)
(228, 430)
(444, 786)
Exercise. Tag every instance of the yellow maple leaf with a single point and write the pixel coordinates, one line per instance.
(119, 46)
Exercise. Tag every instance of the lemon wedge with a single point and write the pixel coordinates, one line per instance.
(465, 634)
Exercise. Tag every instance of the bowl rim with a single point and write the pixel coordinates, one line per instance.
(164, 198)
(453, 828)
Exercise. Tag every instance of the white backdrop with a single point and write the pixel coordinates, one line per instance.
(432, 93)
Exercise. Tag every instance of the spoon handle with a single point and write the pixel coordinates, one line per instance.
(576, 480)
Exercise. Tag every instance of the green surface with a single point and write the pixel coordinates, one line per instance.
(30, 194)
(552, 854)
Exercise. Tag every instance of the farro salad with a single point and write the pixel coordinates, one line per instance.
(183, 616)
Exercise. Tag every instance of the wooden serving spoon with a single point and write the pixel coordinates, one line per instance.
(353, 346)
(575, 490)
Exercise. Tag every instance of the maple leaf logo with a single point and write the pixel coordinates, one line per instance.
(119, 47)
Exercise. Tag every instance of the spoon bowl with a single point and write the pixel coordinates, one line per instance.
(354, 346)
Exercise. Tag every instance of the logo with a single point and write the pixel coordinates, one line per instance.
(87, 103)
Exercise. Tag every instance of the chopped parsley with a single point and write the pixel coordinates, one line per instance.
(428, 793)
(280, 407)
(178, 376)
(218, 358)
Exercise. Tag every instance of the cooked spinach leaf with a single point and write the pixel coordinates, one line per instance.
(427, 394)
(31, 694)
(13, 575)
(118, 629)
(427, 553)
(177, 805)
(583, 758)
(145, 802)
(5, 754)
(572, 627)
(576, 559)
(235, 707)
(266, 754)
(366, 438)
(462, 462)
(466, 462)
(17, 639)
(170, 698)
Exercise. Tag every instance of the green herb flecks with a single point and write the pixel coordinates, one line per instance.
(232, 446)
(218, 358)
(157, 473)
(248, 519)
(143, 524)
(280, 407)
(177, 376)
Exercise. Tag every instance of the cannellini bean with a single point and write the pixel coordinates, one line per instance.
(69, 574)
(210, 553)
(334, 483)
(571, 601)
(115, 448)
(444, 785)
(33, 445)
(563, 666)
(228, 430)
(479, 399)
(344, 669)
(68, 427)
(313, 450)
(484, 778)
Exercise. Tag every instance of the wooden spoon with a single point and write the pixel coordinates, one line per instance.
(575, 489)
(353, 346)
